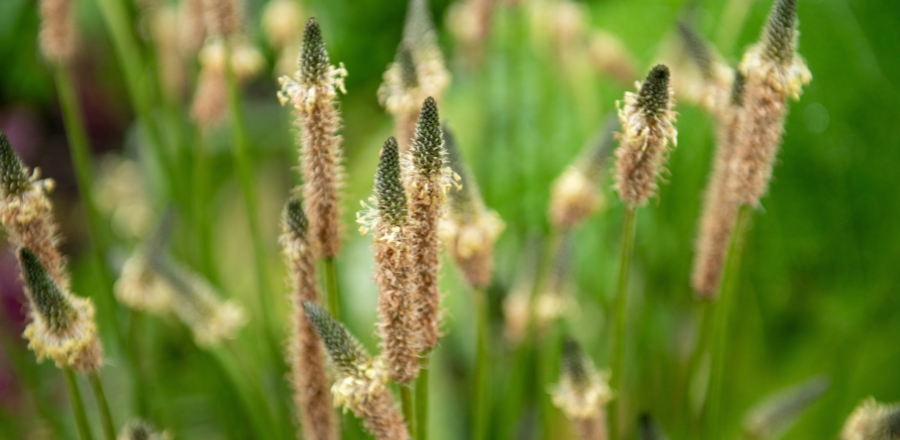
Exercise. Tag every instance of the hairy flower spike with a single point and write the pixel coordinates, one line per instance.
(582, 393)
(873, 421)
(314, 63)
(53, 306)
(647, 129)
(780, 34)
(388, 186)
(428, 151)
(771, 418)
(58, 34)
(13, 179)
(698, 48)
(306, 356)
(361, 383)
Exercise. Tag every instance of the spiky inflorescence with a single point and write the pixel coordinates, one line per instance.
(427, 185)
(771, 418)
(873, 421)
(773, 73)
(305, 354)
(393, 266)
(361, 383)
(647, 129)
(582, 393)
(719, 210)
(711, 89)
(58, 34)
(141, 430)
(312, 93)
(417, 72)
(62, 325)
(575, 194)
(27, 214)
(470, 229)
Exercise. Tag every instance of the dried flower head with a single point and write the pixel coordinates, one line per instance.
(305, 354)
(417, 72)
(26, 212)
(142, 430)
(312, 92)
(773, 72)
(772, 417)
(62, 325)
(719, 209)
(426, 181)
(58, 34)
(469, 230)
(582, 393)
(647, 129)
(361, 383)
(575, 195)
(873, 421)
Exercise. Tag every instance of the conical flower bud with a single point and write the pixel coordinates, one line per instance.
(582, 393)
(779, 37)
(14, 180)
(388, 185)
(62, 326)
(361, 380)
(314, 63)
(771, 418)
(295, 219)
(647, 129)
(873, 421)
(428, 149)
(470, 229)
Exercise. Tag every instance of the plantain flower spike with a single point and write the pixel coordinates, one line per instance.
(312, 93)
(140, 286)
(58, 35)
(389, 221)
(773, 72)
(210, 99)
(62, 325)
(222, 17)
(427, 181)
(771, 418)
(715, 76)
(26, 212)
(141, 430)
(361, 382)
(306, 356)
(418, 71)
(647, 130)
(719, 209)
(575, 195)
(873, 421)
(469, 229)
(582, 393)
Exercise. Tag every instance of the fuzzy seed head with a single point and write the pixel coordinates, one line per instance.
(58, 34)
(314, 62)
(14, 179)
(653, 97)
(873, 421)
(389, 189)
(582, 392)
(575, 194)
(698, 49)
(428, 150)
(52, 305)
(780, 34)
(573, 361)
(294, 218)
(345, 351)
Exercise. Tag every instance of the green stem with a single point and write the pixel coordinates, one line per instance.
(200, 204)
(135, 347)
(84, 429)
(249, 391)
(616, 408)
(78, 145)
(109, 430)
(408, 404)
(481, 409)
(422, 398)
(722, 318)
(334, 292)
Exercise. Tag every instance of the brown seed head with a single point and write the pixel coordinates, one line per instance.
(58, 34)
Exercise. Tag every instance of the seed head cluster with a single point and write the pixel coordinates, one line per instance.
(873, 421)
(582, 393)
(58, 34)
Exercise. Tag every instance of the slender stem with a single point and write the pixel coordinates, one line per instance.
(616, 408)
(135, 347)
(109, 430)
(80, 151)
(722, 317)
(408, 404)
(422, 398)
(334, 292)
(201, 203)
(84, 429)
(249, 391)
(482, 408)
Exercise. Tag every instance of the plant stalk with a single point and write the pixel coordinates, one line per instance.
(422, 398)
(723, 313)
(616, 407)
(408, 404)
(109, 430)
(331, 284)
(84, 429)
(482, 408)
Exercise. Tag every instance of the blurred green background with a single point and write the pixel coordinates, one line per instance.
(817, 294)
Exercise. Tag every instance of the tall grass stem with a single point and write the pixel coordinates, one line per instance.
(481, 411)
(720, 326)
(109, 429)
(422, 398)
(408, 405)
(84, 429)
(616, 409)
(331, 285)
